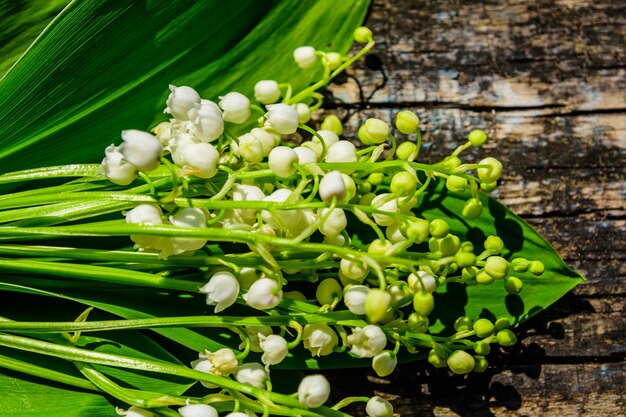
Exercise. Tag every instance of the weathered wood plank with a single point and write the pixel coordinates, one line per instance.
(547, 80)
(509, 390)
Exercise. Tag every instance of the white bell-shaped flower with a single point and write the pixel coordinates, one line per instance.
(206, 121)
(200, 159)
(267, 91)
(342, 151)
(287, 219)
(263, 294)
(146, 214)
(313, 391)
(353, 270)
(221, 291)
(319, 339)
(328, 136)
(252, 373)
(384, 202)
(177, 143)
(423, 281)
(304, 112)
(186, 217)
(236, 107)
(223, 361)
(378, 407)
(305, 56)
(283, 118)
(250, 148)
(268, 140)
(393, 233)
(253, 333)
(384, 363)
(117, 169)
(197, 410)
(141, 149)
(135, 411)
(281, 161)
(243, 192)
(332, 186)
(335, 222)
(368, 341)
(164, 132)
(275, 349)
(305, 155)
(180, 101)
(354, 297)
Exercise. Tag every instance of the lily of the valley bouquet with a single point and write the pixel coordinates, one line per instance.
(246, 234)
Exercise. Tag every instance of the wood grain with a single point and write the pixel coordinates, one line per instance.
(547, 79)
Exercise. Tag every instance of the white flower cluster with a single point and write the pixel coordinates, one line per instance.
(289, 205)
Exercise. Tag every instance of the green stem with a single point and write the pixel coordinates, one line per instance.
(345, 318)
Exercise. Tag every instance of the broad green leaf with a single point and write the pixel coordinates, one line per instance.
(102, 67)
(520, 240)
(20, 23)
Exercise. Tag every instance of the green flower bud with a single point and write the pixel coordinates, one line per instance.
(520, 264)
(497, 267)
(494, 244)
(377, 303)
(367, 199)
(433, 244)
(467, 247)
(502, 323)
(406, 151)
(449, 245)
(439, 228)
(407, 122)
(484, 278)
(506, 338)
(536, 267)
(417, 323)
(472, 209)
(481, 364)
(463, 323)
(403, 183)
(384, 363)
(488, 186)
(461, 362)
(376, 178)
(416, 230)
(294, 295)
(379, 247)
(456, 184)
(363, 34)
(477, 137)
(513, 285)
(327, 291)
(435, 359)
(423, 303)
(492, 172)
(364, 188)
(373, 132)
(482, 347)
(469, 274)
(333, 124)
(483, 328)
(451, 163)
(334, 61)
(464, 259)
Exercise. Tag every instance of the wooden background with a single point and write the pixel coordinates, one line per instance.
(548, 80)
